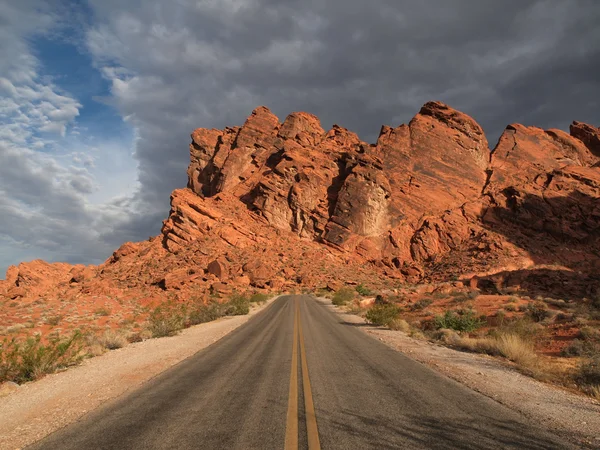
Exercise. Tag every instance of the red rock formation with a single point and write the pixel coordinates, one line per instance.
(333, 188)
(274, 205)
(587, 134)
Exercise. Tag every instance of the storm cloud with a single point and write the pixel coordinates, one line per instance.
(175, 66)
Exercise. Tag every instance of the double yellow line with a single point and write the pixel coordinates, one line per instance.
(291, 432)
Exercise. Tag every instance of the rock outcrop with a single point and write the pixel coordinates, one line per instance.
(274, 205)
(419, 192)
(331, 187)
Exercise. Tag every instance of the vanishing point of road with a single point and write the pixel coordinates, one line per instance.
(297, 376)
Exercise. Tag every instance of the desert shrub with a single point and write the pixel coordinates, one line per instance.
(238, 305)
(589, 334)
(166, 320)
(139, 336)
(259, 298)
(398, 324)
(134, 337)
(522, 327)
(447, 336)
(381, 300)
(54, 320)
(537, 311)
(363, 290)
(509, 345)
(589, 372)
(382, 314)
(516, 349)
(562, 317)
(500, 316)
(595, 300)
(473, 294)
(28, 360)
(461, 298)
(112, 340)
(342, 296)
(102, 312)
(421, 304)
(205, 313)
(581, 347)
(575, 348)
(462, 320)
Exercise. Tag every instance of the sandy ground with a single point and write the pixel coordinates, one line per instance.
(569, 414)
(34, 410)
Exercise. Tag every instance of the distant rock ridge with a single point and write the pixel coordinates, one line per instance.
(273, 205)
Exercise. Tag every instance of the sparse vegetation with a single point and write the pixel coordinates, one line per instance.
(205, 313)
(343, 296)
(587, 344)
(28, 360)
(363, 290)
(421, 304)
(112, 340)
(461, 320)
(538, 311)
(589, 372)
(54, 320)
(398, 324)
(166, 320)
(509, 345)
(259, 298)
(238, 305)
(383, 315)
(102, 312)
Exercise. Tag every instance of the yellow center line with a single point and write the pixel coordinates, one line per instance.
(291, 431)
(309, 407)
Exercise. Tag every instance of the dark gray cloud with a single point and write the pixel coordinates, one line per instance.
(178, 65)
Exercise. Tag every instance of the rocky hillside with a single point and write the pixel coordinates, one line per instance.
(282, 205)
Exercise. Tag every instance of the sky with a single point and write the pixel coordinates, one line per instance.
(98, 98)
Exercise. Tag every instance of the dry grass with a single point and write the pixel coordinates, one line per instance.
(511, 346)
(112, 340)
(399, 325)
(516, 349)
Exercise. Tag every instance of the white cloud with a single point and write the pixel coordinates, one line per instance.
(49, 176)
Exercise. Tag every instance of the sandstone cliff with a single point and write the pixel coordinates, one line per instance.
(274, 205)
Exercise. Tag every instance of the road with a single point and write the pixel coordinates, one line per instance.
(297, 376)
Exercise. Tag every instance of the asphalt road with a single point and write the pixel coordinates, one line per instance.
(297, 376)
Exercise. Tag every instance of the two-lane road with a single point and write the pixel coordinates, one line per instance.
(297, 376)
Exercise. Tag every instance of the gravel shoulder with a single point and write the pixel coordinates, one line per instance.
(574, 416)
(36, 409)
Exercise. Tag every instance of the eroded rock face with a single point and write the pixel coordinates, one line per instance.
(37, 277)
(333, 188)
(587, 134)
(276, 205)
